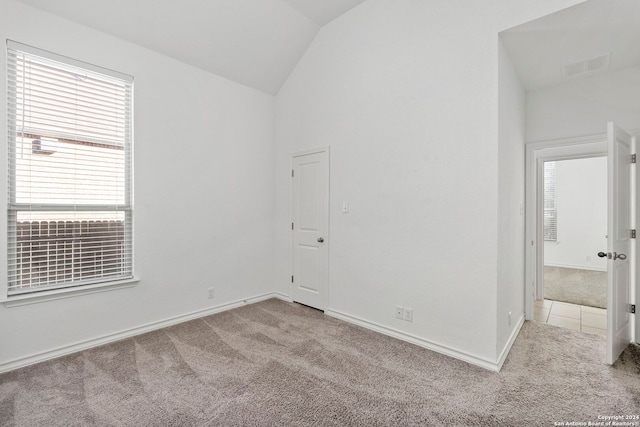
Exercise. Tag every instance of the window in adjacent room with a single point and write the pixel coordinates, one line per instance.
(69, 172)
(550, 208)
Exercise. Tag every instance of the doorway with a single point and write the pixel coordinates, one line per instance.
(621, 256)
(574, 280)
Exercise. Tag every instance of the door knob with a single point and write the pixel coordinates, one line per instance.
(615, 256)
(320, 239)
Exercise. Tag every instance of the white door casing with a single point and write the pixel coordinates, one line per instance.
(310, 227)
(536, 154)
(619, 243)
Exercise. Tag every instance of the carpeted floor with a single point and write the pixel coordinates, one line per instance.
(281, 364)
(582, 287)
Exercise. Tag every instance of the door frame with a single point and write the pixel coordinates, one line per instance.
(536, 154)
(326, 149)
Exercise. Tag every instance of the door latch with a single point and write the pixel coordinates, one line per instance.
(613, 256)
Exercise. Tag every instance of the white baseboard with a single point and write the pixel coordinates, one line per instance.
(576, 266)
(283, 297)
(509, 344)
(439, 348)
(128, 333)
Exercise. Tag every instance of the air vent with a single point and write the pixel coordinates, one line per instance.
(574, 69)
(587, 66)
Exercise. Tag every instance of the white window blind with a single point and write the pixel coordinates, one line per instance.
(550, 208)
(69, 172)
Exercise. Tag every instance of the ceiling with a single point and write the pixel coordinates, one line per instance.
(540, 49)
(258, 42)
(253, 42)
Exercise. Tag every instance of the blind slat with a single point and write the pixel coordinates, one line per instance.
(39, 92)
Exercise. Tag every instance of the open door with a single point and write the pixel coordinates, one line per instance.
(619, 247)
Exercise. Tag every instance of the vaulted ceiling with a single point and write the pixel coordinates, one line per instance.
(593, 37)
(253, 42)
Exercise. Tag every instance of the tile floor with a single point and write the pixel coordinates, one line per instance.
(578, 317)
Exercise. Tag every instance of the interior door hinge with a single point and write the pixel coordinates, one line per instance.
(632, 308)
(291, 279)
(633, 234)
(634, 231)
(633, 158)
(292, 171)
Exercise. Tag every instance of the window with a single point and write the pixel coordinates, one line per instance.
(69, 172)
(550, 208)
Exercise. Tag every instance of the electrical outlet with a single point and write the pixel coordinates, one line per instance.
(399, 312)
(408, 314)
(212, 293)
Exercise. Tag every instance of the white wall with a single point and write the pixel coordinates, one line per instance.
(584, 106)
(511, 225)
(203, 191)
(581, 197)
(406, 95)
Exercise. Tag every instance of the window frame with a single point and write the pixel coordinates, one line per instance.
(92, 285)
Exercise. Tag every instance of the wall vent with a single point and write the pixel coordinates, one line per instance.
(587, 66)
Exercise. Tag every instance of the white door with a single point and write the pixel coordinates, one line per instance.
(310, 226)
(618, 241)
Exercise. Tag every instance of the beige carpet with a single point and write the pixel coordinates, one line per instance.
(582, 287)
(281, 364)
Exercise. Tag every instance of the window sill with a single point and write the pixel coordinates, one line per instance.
(19, 300)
